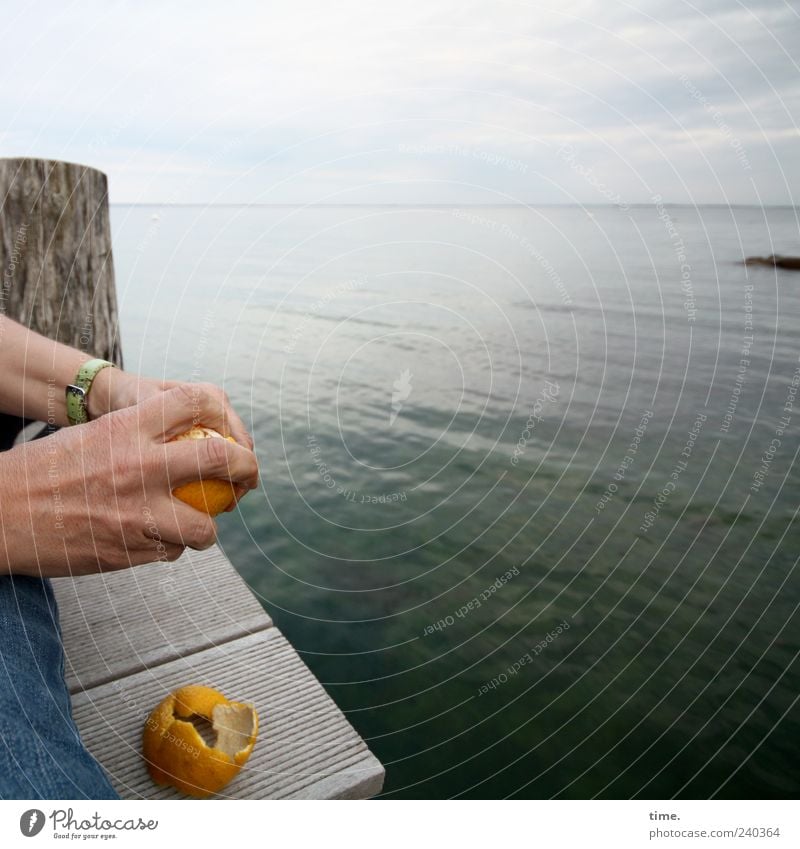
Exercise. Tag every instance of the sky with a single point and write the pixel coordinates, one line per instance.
(442, 101)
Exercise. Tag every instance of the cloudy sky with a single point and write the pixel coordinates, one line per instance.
(441, 101)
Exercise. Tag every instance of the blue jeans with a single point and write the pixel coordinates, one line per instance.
(41, 753)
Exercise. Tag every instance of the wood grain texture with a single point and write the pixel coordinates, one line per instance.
(306, 747)
(118, 623)
(55, 254)
(133, 636)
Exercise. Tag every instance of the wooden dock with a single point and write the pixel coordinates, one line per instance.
(131, 637)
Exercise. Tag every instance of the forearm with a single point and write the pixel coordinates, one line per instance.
(18, 550)
(34, 372)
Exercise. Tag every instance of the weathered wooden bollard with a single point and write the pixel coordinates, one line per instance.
(56, 261)
(55, 252)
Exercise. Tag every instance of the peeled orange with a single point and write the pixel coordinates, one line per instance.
(177, 754)
(210, 496)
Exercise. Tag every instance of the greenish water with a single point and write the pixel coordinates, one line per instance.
(441, 400)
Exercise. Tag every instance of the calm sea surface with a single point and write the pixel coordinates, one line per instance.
(530, 477)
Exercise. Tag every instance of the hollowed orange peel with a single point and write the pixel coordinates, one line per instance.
(210, 496)
(175, 752)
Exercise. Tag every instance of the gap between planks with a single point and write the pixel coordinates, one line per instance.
(118, 623)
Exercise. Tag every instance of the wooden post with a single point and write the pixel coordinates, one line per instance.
(55, 260)
(55, 254)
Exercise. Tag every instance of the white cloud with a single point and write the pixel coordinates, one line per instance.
(248, 102)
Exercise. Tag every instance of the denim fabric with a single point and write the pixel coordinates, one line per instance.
(41, 753)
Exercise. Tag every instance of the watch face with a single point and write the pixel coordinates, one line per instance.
(77, 392)
(76, 404)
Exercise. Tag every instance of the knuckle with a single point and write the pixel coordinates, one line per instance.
(205, 533)
(198, 531)
(186, 391)
(252, 465)
(211, 389)
(216, 452)
(132, 528)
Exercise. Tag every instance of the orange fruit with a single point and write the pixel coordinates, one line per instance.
(176, 753)
(210, 496)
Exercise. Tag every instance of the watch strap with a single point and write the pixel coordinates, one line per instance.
(77, 392)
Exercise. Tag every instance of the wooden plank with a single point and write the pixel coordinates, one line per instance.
(306, 746)
(118, 623)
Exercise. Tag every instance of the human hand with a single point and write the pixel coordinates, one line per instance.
(98, 496)
(114, 389)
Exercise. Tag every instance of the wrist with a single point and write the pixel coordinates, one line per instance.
(101, 398)
(82, 403)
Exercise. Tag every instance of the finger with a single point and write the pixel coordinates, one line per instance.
(169, 547)
(167, 552)
(151, 553)
(240, 492)
(237, 429)
(205, 459)
(167, 414)
(208, 405)
(174, 551)
(180, 524)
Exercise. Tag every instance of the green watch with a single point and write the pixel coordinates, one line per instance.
(77, 412)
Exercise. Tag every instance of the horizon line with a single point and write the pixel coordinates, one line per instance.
(457, 205)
